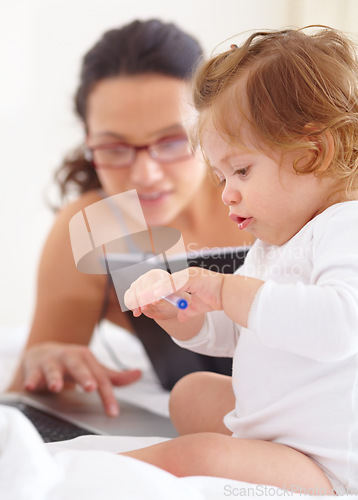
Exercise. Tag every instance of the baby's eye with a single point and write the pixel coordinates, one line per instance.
(242, 172)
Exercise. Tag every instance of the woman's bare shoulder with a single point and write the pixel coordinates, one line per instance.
(58, 239)
(80, 203)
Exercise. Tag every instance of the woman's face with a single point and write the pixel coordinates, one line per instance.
(137, 111)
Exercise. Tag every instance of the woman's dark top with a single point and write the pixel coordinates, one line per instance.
(170, 362)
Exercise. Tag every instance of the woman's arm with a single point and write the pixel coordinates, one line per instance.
(68, 306)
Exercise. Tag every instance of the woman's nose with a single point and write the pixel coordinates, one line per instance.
(230, 195)
(145, 171)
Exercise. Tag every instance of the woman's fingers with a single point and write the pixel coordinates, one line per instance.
(91, 375)
(104, 386)
(54, 375)
(106, 379)
(109, 401)
(125, 377)
(84, 369)
(34, 379)
(77, 366)
(47, 367)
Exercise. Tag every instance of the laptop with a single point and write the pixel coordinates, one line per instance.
(58, 417)
(73, 413)
(127, 267)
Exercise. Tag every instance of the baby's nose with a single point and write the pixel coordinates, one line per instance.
(230, 195)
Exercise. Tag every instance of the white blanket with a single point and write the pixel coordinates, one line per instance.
(89, 468)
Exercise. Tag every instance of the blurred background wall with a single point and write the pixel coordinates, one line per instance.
(41, 44)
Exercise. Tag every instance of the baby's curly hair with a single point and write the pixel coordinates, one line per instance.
(300, 84)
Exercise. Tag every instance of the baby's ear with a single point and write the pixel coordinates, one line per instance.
(323, 146)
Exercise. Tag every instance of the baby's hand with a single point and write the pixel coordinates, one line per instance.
(145, 295)
(200, 287)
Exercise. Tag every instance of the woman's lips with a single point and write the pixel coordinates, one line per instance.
(242, 222)
(153, 197)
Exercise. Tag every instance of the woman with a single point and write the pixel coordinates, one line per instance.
(130, 95)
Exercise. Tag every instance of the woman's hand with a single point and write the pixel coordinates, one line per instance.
(49, 365)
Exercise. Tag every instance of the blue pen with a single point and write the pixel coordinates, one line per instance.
(177, 301)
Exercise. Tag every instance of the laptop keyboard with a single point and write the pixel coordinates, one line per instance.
(49, 427)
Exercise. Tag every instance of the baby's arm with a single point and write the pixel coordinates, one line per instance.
(238, 294)
(204, 290)
(316, 316)
(145, 295)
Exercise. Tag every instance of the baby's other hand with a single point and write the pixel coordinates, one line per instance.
(143, 296)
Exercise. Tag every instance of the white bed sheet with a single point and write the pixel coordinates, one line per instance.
(12, 339)
(90, 468)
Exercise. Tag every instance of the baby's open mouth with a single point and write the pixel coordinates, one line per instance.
(242, 222)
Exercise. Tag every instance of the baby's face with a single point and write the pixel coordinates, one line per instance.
(264, 194)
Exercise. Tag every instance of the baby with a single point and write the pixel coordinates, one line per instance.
(278, 126)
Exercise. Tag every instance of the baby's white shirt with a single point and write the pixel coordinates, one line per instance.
(295, 368)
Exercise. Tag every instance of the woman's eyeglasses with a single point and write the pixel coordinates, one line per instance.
(120, 155)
